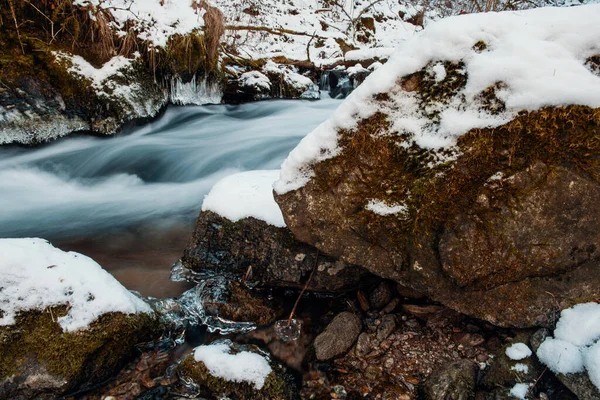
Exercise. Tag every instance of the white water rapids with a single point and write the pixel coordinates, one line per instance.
(156, 174)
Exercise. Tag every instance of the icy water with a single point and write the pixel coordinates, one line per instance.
(130, 201)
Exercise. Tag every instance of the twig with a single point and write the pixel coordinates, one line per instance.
(537, 380)
(304, 288)
(14, 15)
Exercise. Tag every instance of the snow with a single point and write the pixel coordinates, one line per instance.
(538, 54)
(561, 356)
(255, 79)
(241, 367)
(246, 194)
(575, 346)
(580, 324)
(384, 209)
(357, 69)
(524, 368)
(154, 22)
(97, 76)
(518, 351)
(520, 391)
(34, 275)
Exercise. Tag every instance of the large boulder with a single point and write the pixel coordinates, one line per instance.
(453, 177)
(65, 324)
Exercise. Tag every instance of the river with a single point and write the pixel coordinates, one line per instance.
(130, 201)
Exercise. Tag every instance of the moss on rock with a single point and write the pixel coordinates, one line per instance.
(37, 346)
(279, 385)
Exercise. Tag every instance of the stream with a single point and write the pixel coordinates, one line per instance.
(130, 201)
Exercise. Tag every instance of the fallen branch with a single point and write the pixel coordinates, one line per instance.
(274, 31)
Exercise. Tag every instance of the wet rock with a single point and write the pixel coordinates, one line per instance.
(579, 383)
(38, 360)
(269, 256)
(198, 380)
(339, 335)
(455, 381)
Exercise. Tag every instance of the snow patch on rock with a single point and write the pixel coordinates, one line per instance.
(241, 367)
(246, 194)
(34, 275)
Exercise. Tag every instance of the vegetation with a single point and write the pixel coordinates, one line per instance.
(93, 354)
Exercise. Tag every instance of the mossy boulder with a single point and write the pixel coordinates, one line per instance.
(436, 174)
(266, 255)
(197, 378)
(38, 360)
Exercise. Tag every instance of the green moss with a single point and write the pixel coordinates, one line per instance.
(277, 386)
(93, 354)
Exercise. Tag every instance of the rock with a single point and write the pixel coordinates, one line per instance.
(501, 226)
(579, 383)
(363, 344)
(271, 254)
(339, 335)
(387, 326)
(381, 295)
(455, 381)
(38, 360)
(198, 380)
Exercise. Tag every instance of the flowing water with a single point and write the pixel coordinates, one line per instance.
(130, 201)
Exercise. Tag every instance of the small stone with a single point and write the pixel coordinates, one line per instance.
(391, 306)
(381, 295)
(363, 300)
(387, 326)
(482, 357)
(373, 372)
(363, 344)
(389, 363)
(339, 335)
(455, 381)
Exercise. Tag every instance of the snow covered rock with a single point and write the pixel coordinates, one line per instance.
(478, 142)
(65, 323)
(226, 369)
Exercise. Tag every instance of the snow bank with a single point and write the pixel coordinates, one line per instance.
(518, 351)
(245, 194)
(576, 345)
(34, 275)
(154, 22)
(241, 367)
(538, 54)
